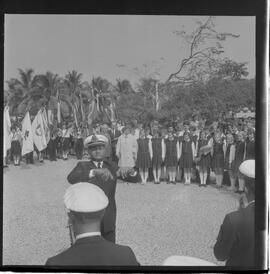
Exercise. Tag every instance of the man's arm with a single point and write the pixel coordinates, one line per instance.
(78, 174)
(225, 240)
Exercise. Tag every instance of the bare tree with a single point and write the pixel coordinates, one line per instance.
(204, 54)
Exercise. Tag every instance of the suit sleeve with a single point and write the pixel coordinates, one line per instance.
(78, 174)
(131, 258)
(225, 240)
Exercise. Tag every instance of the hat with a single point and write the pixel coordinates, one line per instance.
(247, 168)
(85, 198)
(94, 140)
(186, 261)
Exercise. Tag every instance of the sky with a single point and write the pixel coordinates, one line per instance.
(96, 44)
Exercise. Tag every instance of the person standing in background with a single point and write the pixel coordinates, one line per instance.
(172, 155)
(126, 149)
(144, 156)
(158, 148)
(114, 134)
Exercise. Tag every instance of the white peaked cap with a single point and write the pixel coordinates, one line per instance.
(247, 168)
(96, 139)
(185, 261)
(85, 198)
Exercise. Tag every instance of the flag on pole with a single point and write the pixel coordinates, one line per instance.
(38, 131)
(82, 110)
(50, 117)
(75, 115)
(27, 136)
(7, 126)
(112, 116)
(46, 125)
(92, 112)
(58, 108)
(157, 98)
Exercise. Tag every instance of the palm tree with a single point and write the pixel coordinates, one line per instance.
(24, 91)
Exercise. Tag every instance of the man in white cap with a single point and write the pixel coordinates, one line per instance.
(105, 172)
(86, 204)
(235, 242)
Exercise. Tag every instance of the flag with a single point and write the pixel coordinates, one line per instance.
(82, 110)
(38, 131)
(27, 136)
(58, 108)
(92, 112)
(157, 98)
(7, 125)
(112, 112)
(46, 125)
(50, 117)
(75, 115)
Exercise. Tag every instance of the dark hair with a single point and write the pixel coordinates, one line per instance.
(85, 217)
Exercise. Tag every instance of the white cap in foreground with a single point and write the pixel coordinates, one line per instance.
(185, 261)
(94, 140)
(85, 198)
(247, 168)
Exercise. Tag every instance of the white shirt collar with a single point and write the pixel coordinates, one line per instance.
(96, 163)
(88, 234)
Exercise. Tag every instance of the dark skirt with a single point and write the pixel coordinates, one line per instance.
(16, 148)
(79, 148)
(52, 149)
(65, 144)
(157, 159)
(186, 160)
(235, 166)
(218, 161)
(143, 160)
(171, 160)
(205, 161)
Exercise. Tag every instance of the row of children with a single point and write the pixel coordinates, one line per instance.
(184, 152)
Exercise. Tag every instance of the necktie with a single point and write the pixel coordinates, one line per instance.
(99, 165)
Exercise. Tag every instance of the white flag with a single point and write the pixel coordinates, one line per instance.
(50, 117)
(27, 136)
(46, 125)
(38, 131)
(7, 125)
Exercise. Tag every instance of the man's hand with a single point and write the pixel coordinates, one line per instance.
(102, 173)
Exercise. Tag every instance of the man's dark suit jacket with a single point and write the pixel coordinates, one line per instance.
(235, 242)
(81, 174)
(94, 250)
(114, 136)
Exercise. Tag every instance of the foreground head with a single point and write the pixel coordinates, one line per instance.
(247, 168)
(86, 204)
(96, 146)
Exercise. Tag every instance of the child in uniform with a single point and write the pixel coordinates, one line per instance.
(171, 155)
(218, 158)
(144, 156)
(158, 148)
(187, 152)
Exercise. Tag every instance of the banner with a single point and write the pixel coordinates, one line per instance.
(75, 116)
(91, 113)
(39, 136)
(27, 136)
(7, 130)
(50, 117)
(46, 125)
(58, 108)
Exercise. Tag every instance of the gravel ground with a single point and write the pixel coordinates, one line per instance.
(156, 221)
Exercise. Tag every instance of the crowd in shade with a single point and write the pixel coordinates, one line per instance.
(194, 150)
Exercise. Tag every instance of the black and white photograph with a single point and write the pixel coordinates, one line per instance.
(129, 140)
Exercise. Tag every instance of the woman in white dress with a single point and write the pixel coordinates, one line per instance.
(126, 149)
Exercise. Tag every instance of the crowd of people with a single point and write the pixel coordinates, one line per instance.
(179, 151)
